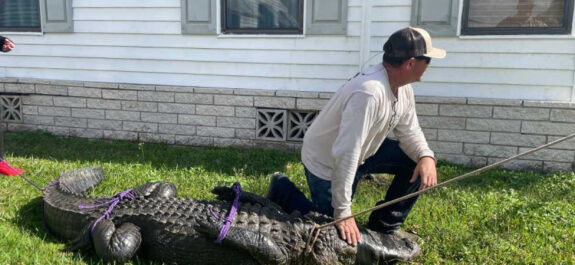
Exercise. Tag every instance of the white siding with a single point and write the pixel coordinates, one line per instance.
(527, 68)
(134, 41)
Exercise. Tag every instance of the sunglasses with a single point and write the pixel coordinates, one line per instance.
(421, 58)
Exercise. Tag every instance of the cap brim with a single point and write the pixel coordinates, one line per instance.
(436, 53)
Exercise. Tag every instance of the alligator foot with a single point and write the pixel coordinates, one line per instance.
(113, 244)
(156, 190)
(227, 194)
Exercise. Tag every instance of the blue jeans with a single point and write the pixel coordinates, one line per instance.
(389, 159)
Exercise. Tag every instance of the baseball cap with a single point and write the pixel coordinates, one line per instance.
(411, 42)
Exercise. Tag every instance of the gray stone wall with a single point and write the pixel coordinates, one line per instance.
(477, 132)
(469, 131)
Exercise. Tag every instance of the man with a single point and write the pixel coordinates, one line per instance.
(348, 140)
(6, 44)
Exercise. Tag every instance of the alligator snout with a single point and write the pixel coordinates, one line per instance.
(381, 248)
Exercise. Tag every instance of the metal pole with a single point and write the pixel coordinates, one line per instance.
(1, 132)
(464, 176)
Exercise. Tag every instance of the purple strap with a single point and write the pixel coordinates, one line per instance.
(228, 221)
(113, 202)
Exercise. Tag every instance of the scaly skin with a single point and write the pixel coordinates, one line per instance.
(157, 225)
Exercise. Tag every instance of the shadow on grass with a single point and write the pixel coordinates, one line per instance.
(250, 162)
(31, 219)
(219, 160)
(89, 257)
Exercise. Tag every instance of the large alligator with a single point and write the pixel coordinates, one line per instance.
(153, 223)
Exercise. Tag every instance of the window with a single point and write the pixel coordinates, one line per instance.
(20, 15)
(511, 17)
(262, 16)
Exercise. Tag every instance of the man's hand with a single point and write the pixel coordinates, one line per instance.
(426, 169)
(8, 46)
(348, 231)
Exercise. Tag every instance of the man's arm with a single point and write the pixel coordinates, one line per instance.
(357, 118)
(413, 143)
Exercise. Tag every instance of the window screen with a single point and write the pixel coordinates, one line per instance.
(19, 15)
(517, 17)
(262, 16)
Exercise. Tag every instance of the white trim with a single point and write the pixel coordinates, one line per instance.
(365, 34)
(21, 33)
(573, 88)
(241, 36)
(517, 36)
(304, 19)
(460, 17)
(218, 17)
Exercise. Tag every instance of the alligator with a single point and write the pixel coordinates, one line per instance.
(154, 224)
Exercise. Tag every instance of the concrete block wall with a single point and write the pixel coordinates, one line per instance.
(147, 113)
(477, 132)
(469, 131)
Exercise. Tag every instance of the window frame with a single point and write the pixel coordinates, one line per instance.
(27, 29)
(227, 31)
(568, 11)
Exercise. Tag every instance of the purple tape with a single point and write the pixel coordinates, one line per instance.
(113, 202)
(228, 221)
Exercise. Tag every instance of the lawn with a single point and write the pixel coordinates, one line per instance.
(498, 217)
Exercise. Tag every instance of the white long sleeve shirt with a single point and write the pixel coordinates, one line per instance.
(353, 125)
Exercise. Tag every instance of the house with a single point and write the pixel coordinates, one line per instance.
(254, 73)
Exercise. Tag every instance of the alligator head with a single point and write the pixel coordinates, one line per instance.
(374, 247)
(381, 248)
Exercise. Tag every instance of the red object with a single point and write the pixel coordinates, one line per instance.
(8, 170)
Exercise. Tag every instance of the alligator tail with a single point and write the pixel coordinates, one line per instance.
(81, 180)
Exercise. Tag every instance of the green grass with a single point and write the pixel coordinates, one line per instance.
(498, 217)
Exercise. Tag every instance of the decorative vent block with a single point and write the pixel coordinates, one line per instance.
(11, 108)
(271, 124)
(282, 125)
(298, 123)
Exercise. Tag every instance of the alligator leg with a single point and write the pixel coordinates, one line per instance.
(156, 190)
(227, 194)
(114, 244)
(260, 247)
